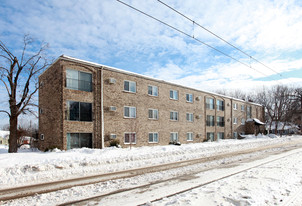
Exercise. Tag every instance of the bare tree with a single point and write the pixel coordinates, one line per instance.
(20, 78)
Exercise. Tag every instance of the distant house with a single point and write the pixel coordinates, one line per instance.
(254, 126)
(283, 128)
(4, 135)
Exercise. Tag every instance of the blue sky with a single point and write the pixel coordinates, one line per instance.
(110, 33)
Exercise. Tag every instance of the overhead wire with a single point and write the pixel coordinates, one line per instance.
(191, 36)
(194, 22)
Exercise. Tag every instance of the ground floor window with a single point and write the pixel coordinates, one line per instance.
(130, 138)
(210, 136)
(190, 136)
(78, 140)
(173, 137)
(153, 137)
(235, 135)
(220, 135)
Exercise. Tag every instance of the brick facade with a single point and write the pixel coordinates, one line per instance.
(108, 91)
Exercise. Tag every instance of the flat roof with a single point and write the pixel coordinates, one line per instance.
(65, 57)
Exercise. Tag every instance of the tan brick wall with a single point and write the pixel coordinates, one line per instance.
(116, 123)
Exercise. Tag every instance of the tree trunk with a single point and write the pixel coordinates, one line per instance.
(13, 121)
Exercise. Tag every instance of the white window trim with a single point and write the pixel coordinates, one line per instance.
(153, 114)
(235, 120)
(190, 115)
(129, 139)
(235, 107)
(190, 140)
(152, 91)
(176, 135)
(129, 112)
(173, 98)
(177, 116)
(243, 108)
(153, 137)
(129, 87)
(189, 98)
(243, 122)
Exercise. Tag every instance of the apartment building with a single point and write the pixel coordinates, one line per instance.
(84, 104)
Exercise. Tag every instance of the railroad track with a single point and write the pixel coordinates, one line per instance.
(118, 196)
(19, 192)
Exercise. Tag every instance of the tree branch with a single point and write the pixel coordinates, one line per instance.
(5, 112)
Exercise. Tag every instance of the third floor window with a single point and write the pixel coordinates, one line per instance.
(153, 90)
(220, 105)
(129, 86)
(78, 80)
(210, 103)
(174, 94)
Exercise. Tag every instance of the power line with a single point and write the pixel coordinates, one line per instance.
(194, 22)
(188, 35)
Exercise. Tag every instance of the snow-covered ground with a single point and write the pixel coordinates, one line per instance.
(30, 167)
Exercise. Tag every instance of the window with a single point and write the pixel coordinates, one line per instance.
(220, 121)
(189, 97)
(190, 117)
(129, 112)
(242, 108)
(153, 137)
(248, 112)
(130, 138)
(78, 80)
(79, 111)
(210, 136)
(235, 135)
(173, 137)
(174, 94)
(220, 105)
(243, 121)
(235, 106)
(153, 114)
(129, 86)
(210, 121)
(78, 140)
(220, 135)
(174, 116)
(209, 103)
(153, 90)
(190, 136)
(235, 120)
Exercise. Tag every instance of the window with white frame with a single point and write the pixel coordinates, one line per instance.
(189, 97)
(174, 115)
(129, 86)
(153, 90)
(235, 106)
(209, 103)
(220, 135)
(189, 136)
(129, 112)
(210, 121)
(210, 136)
(130, 138)
(153, 114)
(242, 108)
(189, 117)
(243, 121)
(235, 120)
(235, 135)
(78, 80)
(220, 105)
(174, 94)
(173, 137)
(153, 137)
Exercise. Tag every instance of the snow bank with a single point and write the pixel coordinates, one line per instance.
(28, 166)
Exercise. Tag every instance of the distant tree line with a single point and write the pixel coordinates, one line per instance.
(282, 103)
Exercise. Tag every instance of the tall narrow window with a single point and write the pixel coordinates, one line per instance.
(153, 114)
(130, 138)
(220, 105)
(210, 121)
(248, 112)
(174, 94)
(243, 121)
(153, 90)
(78, 80)
(174, 116)
(189, 98)
(189, 117)
(235, 120)
(242, 108)
(129, 86)
(235, 106)
(129, 112)
(173, 137)
(209, 103)
(210, 136)
(220, 121)
(220, 135)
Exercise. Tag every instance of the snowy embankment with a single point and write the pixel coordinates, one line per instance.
(30, 167)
